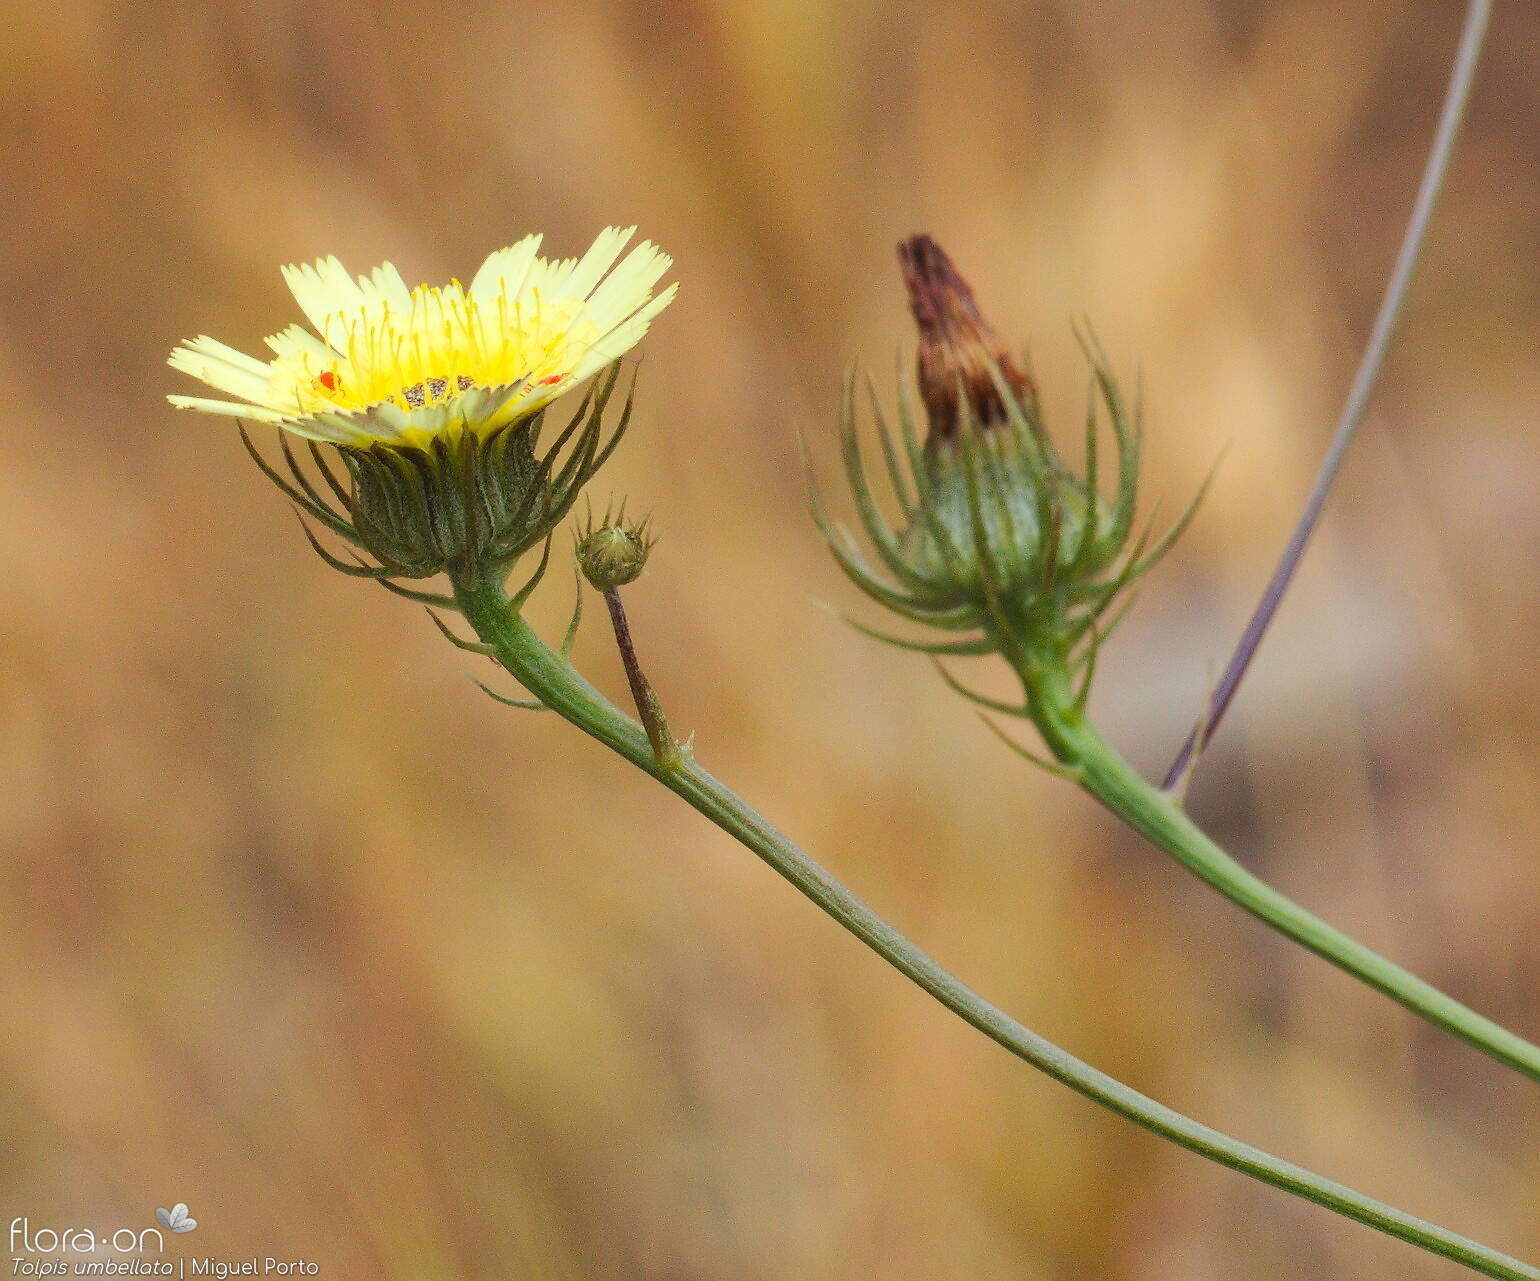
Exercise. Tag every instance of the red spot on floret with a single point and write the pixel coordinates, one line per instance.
(328, 380)
(549, 379)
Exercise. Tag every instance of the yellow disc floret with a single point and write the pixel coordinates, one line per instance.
(382, 363)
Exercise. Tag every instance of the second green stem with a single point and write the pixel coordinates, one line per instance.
(1155, 814)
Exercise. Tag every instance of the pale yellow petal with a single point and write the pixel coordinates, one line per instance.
(213, 347)
(297, 341)
(504, 272)
(622, 338)
(323, 291)
(220, 374)
(254, 412)
(598, 260)
(386, 282)
(628, 286)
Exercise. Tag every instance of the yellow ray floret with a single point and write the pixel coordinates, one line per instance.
(382, 363)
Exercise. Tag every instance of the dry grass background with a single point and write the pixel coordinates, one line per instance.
(299, 928)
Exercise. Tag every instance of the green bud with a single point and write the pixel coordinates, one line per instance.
(1030, 529)
(997, 535)
(615, 553)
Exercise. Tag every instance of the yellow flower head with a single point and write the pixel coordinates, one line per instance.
(396, 366)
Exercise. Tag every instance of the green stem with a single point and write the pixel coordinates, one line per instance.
(1155, 813)
(557, 684)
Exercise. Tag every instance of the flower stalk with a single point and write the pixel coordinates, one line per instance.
(559, 686)
(1155, 814)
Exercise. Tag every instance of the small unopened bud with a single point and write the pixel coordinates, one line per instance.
(614, 554)
(957, 345)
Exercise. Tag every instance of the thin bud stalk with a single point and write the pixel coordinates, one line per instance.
(647, 706)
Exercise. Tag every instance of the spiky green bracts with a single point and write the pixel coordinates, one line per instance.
(461, 501)
(996, 537)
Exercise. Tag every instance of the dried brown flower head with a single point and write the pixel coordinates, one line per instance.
(957, 345)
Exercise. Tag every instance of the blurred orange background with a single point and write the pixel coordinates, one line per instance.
(299, 928)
